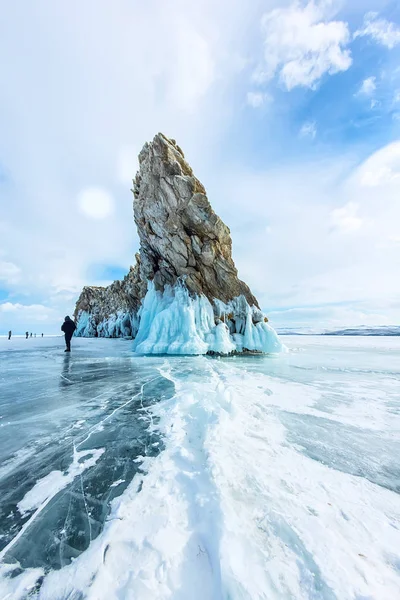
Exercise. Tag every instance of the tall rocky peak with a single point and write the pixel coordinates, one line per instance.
(180, 234)
(181, 240)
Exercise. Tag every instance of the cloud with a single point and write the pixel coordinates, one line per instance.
(33, 308)
(329, 236)
(95, 203)
(301, 45)
(328, 317)
(382, 31)
(73, 116)
(257, 99)
(308, 130)
(346, 219)
(368, 87)
(382, 168)
(9, 272)
(21, 317)
(70, 151)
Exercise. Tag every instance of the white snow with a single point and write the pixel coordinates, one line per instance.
(232, 507)
(36, 500)
(209, 523)
(174, 323)
(118, 482)
(54, 482)
(17, 588)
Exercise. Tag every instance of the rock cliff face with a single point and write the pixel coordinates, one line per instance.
(180, 234)
(183, 244)
(110, 311)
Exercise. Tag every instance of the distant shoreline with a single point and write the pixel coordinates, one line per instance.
(339, 334)
(393, 331)
(378, 332)
(38, 335)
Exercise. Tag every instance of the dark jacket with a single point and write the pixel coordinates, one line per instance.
(68, 327)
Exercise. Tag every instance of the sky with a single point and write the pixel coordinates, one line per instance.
(288, 112)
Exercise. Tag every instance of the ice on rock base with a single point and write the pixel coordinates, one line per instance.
(121, 324)
(173, 322)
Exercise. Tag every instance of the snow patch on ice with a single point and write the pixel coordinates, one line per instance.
(17, 588)
(118, 482)
(54, 482)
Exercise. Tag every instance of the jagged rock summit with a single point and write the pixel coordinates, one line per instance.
(183, 295)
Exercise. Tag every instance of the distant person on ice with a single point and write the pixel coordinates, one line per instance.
(27, 334)
(9, 334)
(68, 327)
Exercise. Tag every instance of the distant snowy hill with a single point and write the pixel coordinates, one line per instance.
(390, 330)
(372, 331)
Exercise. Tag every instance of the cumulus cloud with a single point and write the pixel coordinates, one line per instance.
(346, 219)
(71, 151)
(9, 272)
(308, 130)
(37, 309)
(258, 99)
(22, 317)
(332, 238)
(301, 45)
(91, 109)
(382, 31)
(368, 87)
(382, 168)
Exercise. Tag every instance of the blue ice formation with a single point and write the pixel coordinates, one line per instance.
(173, 322)
(120, 324)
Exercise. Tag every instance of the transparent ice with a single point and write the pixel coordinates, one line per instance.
(137, 477)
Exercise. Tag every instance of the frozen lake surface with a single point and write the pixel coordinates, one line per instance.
(192, 478)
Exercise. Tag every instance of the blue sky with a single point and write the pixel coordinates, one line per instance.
(289, 113)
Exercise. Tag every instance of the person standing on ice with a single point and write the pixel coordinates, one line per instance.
(27, 334)
(68, 327)
(9, 334)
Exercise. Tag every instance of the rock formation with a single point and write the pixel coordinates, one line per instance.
(183, 244)
(110, 311)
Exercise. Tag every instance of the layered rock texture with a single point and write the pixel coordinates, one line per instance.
(183, 245)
